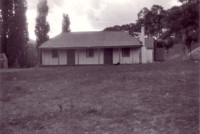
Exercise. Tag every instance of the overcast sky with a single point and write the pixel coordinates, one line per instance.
(91, 15)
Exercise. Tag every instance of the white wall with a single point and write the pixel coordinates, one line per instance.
(116, 55)
(149, 55)
(47, 58)
(134, 56)
(62, 57)
(82, 59)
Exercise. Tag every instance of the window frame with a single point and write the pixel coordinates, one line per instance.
(90, 53)
(126, 52)
(54, 53)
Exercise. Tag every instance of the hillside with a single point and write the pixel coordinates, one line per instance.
(176, 52)
(154, 98)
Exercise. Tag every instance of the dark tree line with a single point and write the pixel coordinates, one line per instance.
(14, 31)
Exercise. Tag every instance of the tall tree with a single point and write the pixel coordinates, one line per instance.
(142, 13)
(158, 14)
(7, 14)
(66, 23)
(187, 1)
(183, 22)
(0, 30)
(42, 26)
(20, 31)
(15, 33)
(152, 19)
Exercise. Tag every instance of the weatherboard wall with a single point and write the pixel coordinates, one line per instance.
(149, 55)
(62, 57)
(82, 59)
(98, 58)
(133, 58)
(47, 58)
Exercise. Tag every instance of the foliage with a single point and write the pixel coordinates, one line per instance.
(1, 20)
(150, 18)
(6, 11)
(186, 18)
(187, 1)
(42, 26)
(167, 43)
(32, 56)
(180, 22)
(142, 13)
(66, 23)
(131, 28)
(15, 33)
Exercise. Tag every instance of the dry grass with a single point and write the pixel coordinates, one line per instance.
(156, 98)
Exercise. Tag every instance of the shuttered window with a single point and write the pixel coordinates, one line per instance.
(89, 53)
(125, 52)
(54, 53)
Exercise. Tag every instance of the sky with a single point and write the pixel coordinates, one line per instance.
(91, 15)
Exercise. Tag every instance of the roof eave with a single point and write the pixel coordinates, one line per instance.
(131, 46)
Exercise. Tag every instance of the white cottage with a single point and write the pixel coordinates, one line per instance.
(91, 48)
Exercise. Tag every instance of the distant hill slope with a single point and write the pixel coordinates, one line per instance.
(195, 54)
(176, 52)
(32, 42)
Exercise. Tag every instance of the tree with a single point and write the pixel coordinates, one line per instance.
(168, 43)
(15, 33)
(183, 22)
(7, 13)
(158, 14)
(65, 23)
(20, 31)
(1, 20)
(42, 26)
(131, 28)
(187, 1)
(180, 22)
(142, 13)
(152, 20)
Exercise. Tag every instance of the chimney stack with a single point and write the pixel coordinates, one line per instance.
(143, 49)
(142, 35)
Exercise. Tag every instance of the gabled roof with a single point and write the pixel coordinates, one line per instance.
(92, 39)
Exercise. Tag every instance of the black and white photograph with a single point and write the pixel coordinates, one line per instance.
(99, 67)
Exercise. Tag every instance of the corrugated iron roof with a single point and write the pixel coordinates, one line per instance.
(92, 39)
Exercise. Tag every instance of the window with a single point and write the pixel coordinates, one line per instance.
(89, 53)
(125, 52)
(54, 53)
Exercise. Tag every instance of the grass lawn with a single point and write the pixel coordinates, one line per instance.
(158, 98)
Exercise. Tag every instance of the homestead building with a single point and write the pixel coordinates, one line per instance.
(96, 48)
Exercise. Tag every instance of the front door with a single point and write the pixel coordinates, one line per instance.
(71, 57)
(108, 56)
